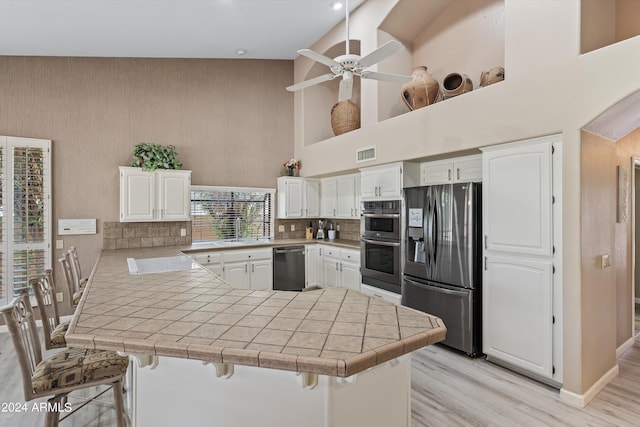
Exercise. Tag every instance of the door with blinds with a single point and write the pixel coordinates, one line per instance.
(25, 212)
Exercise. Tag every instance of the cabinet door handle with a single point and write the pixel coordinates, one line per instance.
(457, 173)
(253, 268)
(340, 266)
(245, 268)
(336, 266)
(334, 212)
(449, 174)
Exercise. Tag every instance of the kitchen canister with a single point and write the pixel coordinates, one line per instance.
(494, 75)
(345, 117)
(422, 90)
(455, 84)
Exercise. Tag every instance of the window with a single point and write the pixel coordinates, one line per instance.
(25, 212)
(231, 213)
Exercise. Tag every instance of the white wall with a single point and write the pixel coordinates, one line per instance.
(549, 89)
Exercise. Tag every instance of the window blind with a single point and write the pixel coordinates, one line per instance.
(231, 213)
(25, 212)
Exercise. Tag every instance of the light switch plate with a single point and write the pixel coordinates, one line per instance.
(293, 227)
(281, 229)
(59, 244)
(59, 297)
(605, 261)
(183, 232)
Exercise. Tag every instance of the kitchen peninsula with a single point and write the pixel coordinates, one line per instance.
(318, 358)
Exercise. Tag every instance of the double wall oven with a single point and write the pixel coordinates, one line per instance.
(381, 241)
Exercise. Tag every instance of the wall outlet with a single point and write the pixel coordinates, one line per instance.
(59, 296)
(293, 227)
(183, 232)
(605, 260)
(281, 229)
(59, 244)
(337, 227)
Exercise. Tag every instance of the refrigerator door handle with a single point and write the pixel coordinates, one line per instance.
(461, 292)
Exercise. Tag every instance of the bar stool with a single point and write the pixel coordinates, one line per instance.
(45, 292)
(75, 267)
(63, 372)
(72, 285)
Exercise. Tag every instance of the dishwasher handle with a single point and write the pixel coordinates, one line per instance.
(289, 250)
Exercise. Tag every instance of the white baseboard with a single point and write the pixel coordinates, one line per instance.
(625, 346)
(582, 400)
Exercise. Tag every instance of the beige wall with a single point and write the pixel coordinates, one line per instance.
(599, 228)
(229, 119)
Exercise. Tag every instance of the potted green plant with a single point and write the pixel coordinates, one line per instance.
(155, 156)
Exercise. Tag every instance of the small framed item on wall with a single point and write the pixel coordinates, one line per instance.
(623, 194)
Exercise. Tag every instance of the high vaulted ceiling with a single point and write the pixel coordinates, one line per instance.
(265, 29)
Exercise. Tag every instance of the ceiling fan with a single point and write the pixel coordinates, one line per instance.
(348, 65)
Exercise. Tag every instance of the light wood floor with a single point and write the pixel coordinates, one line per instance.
(447, 390)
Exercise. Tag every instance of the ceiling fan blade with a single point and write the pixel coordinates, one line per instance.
(310, 82)
(383, 52)
(346, 90)
(319, 58)
(387, 77)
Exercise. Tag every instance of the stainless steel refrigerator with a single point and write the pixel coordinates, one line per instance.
(442, 273)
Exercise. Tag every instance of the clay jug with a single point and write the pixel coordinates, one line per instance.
(456, 84)
(345, 117)
(423, 90)
(494, 75)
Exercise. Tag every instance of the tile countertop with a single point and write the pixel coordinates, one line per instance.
(248, 244)
(194, 314)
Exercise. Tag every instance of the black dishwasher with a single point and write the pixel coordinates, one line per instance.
(288, 268)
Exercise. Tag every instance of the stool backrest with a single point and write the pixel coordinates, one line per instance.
(65, 262)
(18, 316)
(45, 292)
(75, 264)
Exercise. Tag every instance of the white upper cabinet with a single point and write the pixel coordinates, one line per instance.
(298, 197)
(328, 197)
(161, 195)
(517, 198)
(386, 182)
(460, 169)
(340, 197)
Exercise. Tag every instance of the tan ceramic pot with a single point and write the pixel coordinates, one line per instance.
(494, 75)
(345, 117)
(456, 84)
(423, 90)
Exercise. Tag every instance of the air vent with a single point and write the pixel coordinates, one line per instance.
(366, 154)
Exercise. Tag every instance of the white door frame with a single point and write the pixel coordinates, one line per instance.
(635, 163)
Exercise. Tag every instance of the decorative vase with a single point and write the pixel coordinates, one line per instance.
(291, 171)
(456, 84)
(494, 75)
(345, 117)
(423, 90)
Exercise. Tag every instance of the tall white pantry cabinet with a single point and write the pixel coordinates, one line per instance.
(522, 281)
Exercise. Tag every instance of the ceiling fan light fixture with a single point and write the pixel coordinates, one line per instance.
(337, 5)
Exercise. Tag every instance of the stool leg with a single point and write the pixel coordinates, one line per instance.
(52, 417)
(118, 403)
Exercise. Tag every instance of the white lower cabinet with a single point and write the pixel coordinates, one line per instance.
(341, 268)
(520, 317)
(312, 266)
(248, 269)
(212, 261)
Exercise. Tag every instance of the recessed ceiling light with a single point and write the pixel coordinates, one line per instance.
(337, 5)
(241, 52)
